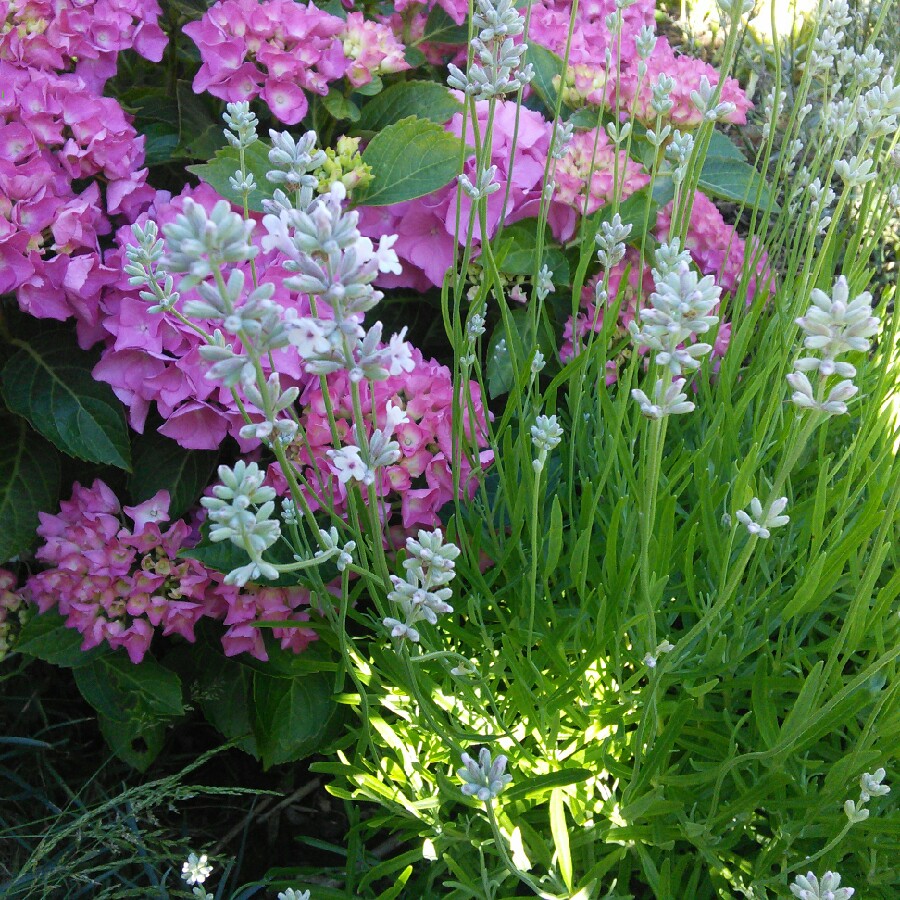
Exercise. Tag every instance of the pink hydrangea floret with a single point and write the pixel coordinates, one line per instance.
(277, 49)
(114, 572)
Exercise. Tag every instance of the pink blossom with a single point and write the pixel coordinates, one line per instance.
(278, 47)
(416, 486)
(687, 72)
(81, 35)
(123, 583)
(372, 49)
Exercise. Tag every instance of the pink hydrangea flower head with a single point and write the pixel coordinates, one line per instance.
(84, 36)
(117, 577)
(372, 49)
(718, 250)
(57, 137)
(586, 179)
(277, 47)
(154, 358)
(687, 72)
(413, 489)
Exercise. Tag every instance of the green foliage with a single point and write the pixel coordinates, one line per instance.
(423, 99)
(29, 483)
(217, 172)
(409, 159)
(161, 464)
(48, 381)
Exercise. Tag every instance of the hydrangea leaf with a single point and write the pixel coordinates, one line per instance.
(217, 172)
(161, 464)
(293, 717)
(47, 637)
(49, 382)
(441, 29)
(424, 99)
(518, 245)
(409, 159)
(728, 178)
(339, 106)
(548, 70)
(134, 704)
(29, 482)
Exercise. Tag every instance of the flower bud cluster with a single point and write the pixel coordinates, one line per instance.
(871, 784)
(703, 98)
(668, 400)
(680, 310)
(144, 259)
(808, 887)
(833, 325)
(546, 433)
(422, 593)
(13, 612)
(496, 68)
(611, 241)
(234, 520)
(484, 779)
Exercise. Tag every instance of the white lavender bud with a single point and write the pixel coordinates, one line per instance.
(199, 244)
(483, 779)
(645, 42)
(241, 122)
(668, 400)
(871, 785)
(486, 184)
(855, 171)
(332, 547)
(760, 524)
(611, 241)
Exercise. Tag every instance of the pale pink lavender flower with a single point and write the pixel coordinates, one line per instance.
(278, 49)
(122, 582)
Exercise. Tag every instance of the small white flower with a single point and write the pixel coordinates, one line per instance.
(401, 630)
(871, 785)
(292, 894)
(808, 887)
(855, 171)
(546, 433)
(651, 659)
(195, 870)
(483, 779)
(855, 814)
(350, 466)
(760, 524)
(667, 400)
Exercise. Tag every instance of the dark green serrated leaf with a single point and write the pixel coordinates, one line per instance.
(548, 69)
(200, 129)
(293, 717)
(49, 382)
(217, 172)
(517, 249)
(409, 159)
(727, 178)
(138, 744)
(340, 107)
(46, 637)
(441, 29)
(29, 483)
(134, 704)
(161, 464)
(119, 688)
(424, 99)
